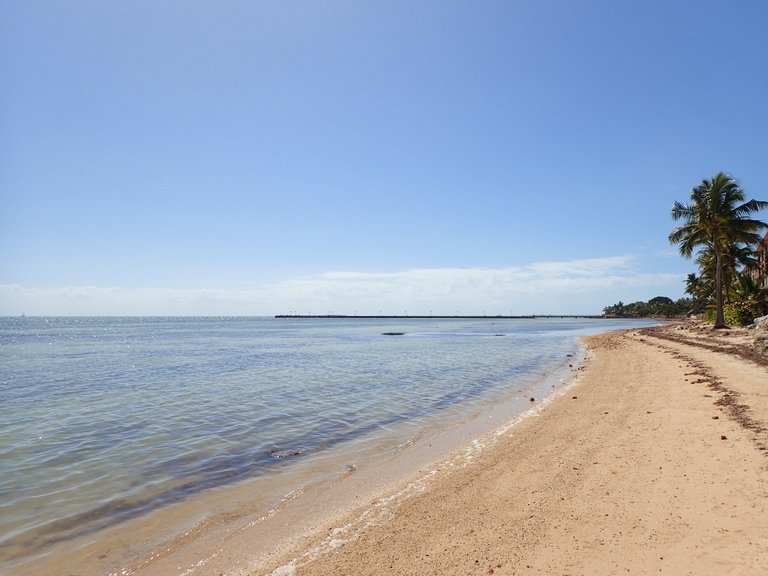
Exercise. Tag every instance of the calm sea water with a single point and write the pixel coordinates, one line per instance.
(103, 419)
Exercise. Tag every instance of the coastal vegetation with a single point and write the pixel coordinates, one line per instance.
(718, 230)
(658, 307)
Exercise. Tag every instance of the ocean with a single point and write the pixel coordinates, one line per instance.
(104, 421)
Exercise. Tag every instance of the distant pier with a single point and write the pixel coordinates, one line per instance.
(440, 317)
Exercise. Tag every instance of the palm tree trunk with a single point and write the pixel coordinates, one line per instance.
(719, 316)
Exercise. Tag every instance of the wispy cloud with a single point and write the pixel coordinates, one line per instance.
(473, 289)
(575, 286)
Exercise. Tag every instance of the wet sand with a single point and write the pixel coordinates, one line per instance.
(654, 461)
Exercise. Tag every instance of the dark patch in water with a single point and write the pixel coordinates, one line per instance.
(275, 453)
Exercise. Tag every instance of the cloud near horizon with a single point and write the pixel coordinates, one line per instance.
(577, 287)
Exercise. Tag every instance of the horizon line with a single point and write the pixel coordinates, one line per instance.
(438, 316)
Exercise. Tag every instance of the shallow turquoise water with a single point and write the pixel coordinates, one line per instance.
(103, 419)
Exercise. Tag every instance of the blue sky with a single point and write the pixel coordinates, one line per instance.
(455, 157)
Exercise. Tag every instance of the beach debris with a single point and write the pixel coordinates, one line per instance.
(276, 453)
(533, 399)
(574, 397)
(393, 333)
(723, 437)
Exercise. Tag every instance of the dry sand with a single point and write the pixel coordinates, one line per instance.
(655, 461)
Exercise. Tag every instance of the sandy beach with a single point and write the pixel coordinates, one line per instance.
(653, 461)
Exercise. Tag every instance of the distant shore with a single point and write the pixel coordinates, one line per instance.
(655, 461)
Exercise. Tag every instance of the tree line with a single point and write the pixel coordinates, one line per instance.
(659, 307)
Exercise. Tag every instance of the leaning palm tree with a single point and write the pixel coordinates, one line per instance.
(716, 218)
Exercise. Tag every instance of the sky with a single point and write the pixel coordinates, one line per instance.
(364, 157)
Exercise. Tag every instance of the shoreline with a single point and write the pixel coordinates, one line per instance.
(522, 486)
(386, 478)
(214, 532)
(655, 461)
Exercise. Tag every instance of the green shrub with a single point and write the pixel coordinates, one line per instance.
(737, 314)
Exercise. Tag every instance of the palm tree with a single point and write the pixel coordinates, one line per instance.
(700, 289)
(734, 257)
(717, 218)
(748, 290)
(693, 285)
